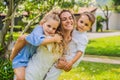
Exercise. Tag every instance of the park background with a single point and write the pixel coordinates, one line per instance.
(20, 16)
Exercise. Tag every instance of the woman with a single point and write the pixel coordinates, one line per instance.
(67, 26)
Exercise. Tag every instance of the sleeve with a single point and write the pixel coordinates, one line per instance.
(36, 37)
(81, 44)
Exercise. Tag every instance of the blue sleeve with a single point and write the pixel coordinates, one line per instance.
(36, 37)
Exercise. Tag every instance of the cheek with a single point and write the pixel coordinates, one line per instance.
(78, 24)
(53, 31)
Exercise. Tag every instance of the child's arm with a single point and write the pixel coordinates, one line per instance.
(37, 37)
(70, 63)
(20, 43)
(56, 38)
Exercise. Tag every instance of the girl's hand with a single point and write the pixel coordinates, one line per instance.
(58, 38)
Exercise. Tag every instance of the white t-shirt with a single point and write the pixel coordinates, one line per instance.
(78, 43)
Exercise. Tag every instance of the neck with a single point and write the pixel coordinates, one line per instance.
(67, 36)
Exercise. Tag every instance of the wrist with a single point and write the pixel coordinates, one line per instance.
(54, 39)
(72, 62)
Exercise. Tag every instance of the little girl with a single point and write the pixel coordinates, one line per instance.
(48, 27)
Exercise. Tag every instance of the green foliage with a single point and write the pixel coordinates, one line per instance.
(117, 9)
(116, 5)
(83, 3)
(99, 21)
(2, 6)
(108, 46)
(93, 71)
(17, 28)
(67, 4)
(6, 72)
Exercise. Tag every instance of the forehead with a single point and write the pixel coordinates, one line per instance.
(65, 14)
(52, 23)
(84, 18)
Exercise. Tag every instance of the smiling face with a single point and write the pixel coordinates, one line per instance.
(67, 21)
(83, 23)
(50, 26)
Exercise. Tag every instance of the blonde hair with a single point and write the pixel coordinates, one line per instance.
(51, 15)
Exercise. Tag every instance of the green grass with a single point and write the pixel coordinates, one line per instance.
(92, 71)
(108, 46)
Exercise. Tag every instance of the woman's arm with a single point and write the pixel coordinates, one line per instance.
(20, 43)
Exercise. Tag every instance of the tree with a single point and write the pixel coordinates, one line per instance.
(8, 21)
(35, 8)
(107, 14)
(99, 25)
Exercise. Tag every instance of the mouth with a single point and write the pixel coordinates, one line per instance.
(69, 25)
(47, 32)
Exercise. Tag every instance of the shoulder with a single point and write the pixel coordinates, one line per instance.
(37, 30)
(38, 27)
(79, 37)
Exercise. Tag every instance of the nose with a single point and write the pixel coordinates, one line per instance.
(50, 29)
(68, 20)
(82, 25)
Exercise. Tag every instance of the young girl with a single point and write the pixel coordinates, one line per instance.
(76, 47)
(49, 25)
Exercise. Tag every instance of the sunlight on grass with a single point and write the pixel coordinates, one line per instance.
(108, 46)
(92, 71)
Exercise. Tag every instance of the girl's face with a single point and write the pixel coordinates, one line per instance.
(83, 24)
(67, 21)
(50, 26)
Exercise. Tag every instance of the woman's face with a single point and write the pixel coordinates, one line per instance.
(67, 21)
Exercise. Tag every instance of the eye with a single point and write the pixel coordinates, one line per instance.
(63, 19)
(81, 21)
(54, 28)
(86, 24)
(49, 26)
(70, 18)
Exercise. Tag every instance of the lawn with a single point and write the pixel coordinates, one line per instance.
(108, 46)
(93, 71)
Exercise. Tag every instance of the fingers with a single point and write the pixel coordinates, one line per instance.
(61, 64)
(58, 38)
(67, 68)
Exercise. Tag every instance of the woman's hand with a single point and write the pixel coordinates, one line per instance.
(68, 66)
(61, 63)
